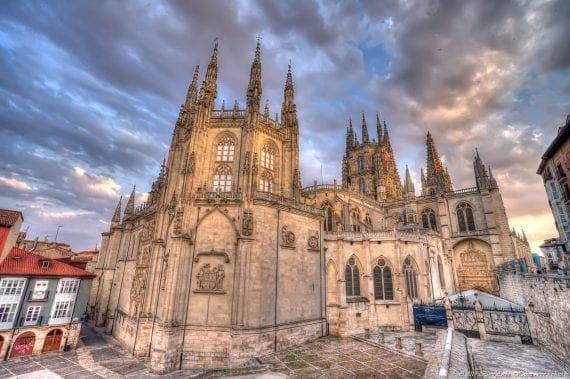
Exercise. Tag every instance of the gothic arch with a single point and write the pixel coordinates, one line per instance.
(332, 282)
(353, 270)
(217, 209)
(223, 135)
(410, 271)
(474, 266)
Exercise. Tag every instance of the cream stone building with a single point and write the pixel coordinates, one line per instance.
(230, 257)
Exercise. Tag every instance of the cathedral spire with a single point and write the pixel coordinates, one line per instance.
(192, 94)
(289, 109)
(492, 181)
(365, 138)
(386, 139)
(349, 137)
(209, 91)
(409, 189)
(117, 215)
(481, 176)
(437, 177)
(378, 129)
(254, 87)
(130, 208)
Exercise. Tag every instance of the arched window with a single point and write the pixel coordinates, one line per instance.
(223, 179)
(428, 219)
(355, 220)
(352, 278)
(328, 217)
(360, 163)
(267, 157)
(266, 183)
(225, 151)
(440, 270)
(383, 289)
(362, 185)
(465, 218)
(368, 219)
(410, 275)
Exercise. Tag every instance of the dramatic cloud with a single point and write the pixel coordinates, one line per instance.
(90, 92)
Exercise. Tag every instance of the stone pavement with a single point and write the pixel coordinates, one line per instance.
(388, 341)
(502, 359)
(331, 357)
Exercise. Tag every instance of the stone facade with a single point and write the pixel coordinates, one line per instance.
(545, 298)
(230, 258)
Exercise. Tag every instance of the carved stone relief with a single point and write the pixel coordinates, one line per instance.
(473, 271)
(287, 237)
(246, 163)
(210, 279)
(146, 233)
(143, 259)
(178, 221)
(247, 223)
(138, 288)
(313, 241)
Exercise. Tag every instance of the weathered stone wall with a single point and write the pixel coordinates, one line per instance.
(450, 357)
(550, 316)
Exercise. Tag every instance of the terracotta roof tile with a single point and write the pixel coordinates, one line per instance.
(8, 217)
(25, 263)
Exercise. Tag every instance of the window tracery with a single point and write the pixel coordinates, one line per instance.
(465, 218)
(266, 182)
(223, 179)
(225, 150)
(428, 219)
(355, 220)
(383, 288)
(411, 278)
(352, 278)
(267, 157)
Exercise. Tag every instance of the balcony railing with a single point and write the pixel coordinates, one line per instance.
(59, 320)
(38, 295)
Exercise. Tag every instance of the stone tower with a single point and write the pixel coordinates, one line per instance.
(222, 262)
(370, 167)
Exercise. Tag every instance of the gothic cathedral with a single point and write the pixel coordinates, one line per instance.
(230, 258)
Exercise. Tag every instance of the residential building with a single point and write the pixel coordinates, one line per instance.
(42, 302)
(555, 254)
(10, 223)
(555, 169)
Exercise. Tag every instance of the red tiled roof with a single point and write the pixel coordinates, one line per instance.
(25, 263)
(8, 217)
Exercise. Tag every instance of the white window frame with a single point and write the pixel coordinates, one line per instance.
(32, 315)
(267, 157)
(7, 317)
(68, 286)
(225, 150)
(12, 286)
(62, 312)
(40, 290)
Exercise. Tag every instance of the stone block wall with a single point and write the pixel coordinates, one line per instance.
(549, 316)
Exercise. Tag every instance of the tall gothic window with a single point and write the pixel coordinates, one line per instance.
(428, 219)
(267, 157)
(360, 163)
(225, 151)
(368, 219)
(355, 220)
(266, 183)
(383, 288)
(223, 178)
(352, 278)
(465, 218)
(362, 185)
(328, 218)
(410, 275)
(440, 270)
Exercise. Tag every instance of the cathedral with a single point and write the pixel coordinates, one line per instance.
(230, 258)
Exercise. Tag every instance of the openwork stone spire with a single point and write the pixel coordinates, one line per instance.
(192, 94)
(378, 129)
(390, 179)
(437, 178)
(365, 137)
(408, 184)
(254, 88)
(208, 92)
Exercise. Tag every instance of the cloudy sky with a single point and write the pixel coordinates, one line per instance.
(90, 91)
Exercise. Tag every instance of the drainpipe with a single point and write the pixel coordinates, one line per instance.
(9, 347)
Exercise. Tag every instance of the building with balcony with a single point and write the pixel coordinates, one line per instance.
(42, 303)
(555, 170)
